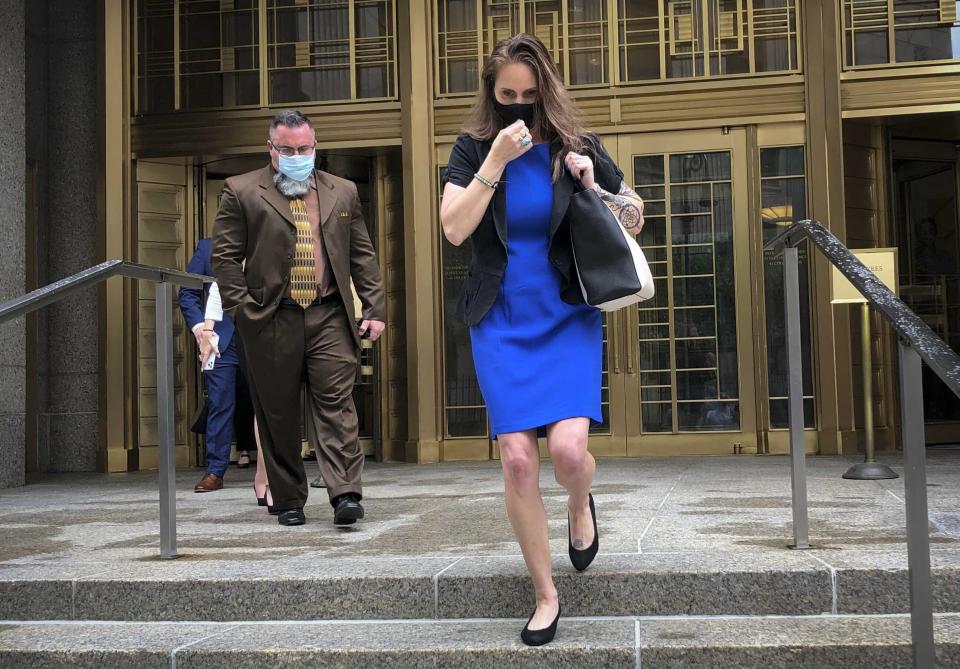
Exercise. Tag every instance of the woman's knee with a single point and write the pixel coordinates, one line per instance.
(569, 458)
(520, 463)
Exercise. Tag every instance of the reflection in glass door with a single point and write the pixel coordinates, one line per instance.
(684, 349)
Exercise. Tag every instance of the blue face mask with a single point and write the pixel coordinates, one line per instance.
(297, 168)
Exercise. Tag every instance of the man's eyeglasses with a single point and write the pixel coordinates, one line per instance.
(289, 151)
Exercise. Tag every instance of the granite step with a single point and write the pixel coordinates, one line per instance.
(666, 584)
(851, 642)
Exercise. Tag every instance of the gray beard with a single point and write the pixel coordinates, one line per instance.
(289, 188)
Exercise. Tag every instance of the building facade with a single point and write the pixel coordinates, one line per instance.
(731, 119)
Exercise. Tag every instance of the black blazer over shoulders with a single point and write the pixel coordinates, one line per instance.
(489, 241)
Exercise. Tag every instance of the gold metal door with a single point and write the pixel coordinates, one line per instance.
(163, 201)
(679, 369)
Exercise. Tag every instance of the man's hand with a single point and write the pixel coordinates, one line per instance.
(374, 327)
(208, 346)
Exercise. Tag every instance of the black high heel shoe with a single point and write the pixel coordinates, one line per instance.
(270, 508)
(581, 559)
(539, 637)
(261, 501)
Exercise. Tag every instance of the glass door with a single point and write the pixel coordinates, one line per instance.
(680, 367)
(927, 191)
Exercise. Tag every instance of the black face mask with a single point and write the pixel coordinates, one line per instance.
(516, 112)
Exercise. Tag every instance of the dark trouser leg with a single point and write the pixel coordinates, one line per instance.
(243, 415)
(331, 359)
(275, 364)
(221, 393)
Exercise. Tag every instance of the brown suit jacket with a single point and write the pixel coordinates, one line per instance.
(254, 224)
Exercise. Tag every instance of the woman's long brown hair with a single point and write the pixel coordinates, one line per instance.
(555, 114)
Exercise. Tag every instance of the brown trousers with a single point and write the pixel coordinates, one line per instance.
(316, 345)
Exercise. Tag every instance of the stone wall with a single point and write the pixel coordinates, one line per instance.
(62, 150)
(13, 246)
(68, 416)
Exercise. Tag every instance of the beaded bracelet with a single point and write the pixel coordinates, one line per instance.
(485, 182)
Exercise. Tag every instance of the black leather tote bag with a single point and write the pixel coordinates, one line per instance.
(610, 265)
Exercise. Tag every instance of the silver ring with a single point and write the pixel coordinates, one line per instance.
(526, 141)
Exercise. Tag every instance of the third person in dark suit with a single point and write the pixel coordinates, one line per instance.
(229, 410)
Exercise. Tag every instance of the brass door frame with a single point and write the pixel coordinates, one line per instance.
(776, 440)
(453, 448)
(625, 421)
(372, 446)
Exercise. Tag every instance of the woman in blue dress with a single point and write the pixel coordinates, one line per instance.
(537, 347)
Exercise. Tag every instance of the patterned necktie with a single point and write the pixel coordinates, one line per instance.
(303, 272)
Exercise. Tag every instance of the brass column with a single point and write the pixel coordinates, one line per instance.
(113, 89)
(414, 43)
(824, 142)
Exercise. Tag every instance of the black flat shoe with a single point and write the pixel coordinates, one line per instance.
(539, 637)
(291, 517)
(347, 509)
(581, 559)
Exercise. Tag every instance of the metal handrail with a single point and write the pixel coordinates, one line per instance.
(910, 327)
(917, 342)
(164, 279)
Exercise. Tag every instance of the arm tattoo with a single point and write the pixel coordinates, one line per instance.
(626, 205)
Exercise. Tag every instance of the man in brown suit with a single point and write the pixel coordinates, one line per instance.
(287, 241)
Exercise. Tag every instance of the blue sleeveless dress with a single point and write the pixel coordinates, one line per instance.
(538, 359)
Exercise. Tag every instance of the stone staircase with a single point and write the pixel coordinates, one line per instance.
(817, 609)
(694, 572)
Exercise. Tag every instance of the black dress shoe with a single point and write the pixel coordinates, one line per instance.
(291, 517)
(347, 509)
(581, 559)
(539, 637)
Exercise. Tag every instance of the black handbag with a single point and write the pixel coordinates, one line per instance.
(611, 267)
(199, 422)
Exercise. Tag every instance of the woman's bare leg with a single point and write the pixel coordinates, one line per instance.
(260, 481)
(520, 459)
(574, 467)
